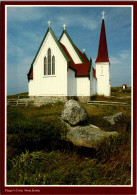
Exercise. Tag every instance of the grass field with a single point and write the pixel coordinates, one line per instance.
(38, 156)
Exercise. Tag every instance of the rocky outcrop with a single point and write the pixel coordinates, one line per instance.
(114, 119)
(74, 113)
(88, 135)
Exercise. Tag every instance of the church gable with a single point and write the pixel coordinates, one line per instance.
(48, 41)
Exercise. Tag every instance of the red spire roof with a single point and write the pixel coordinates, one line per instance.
(102, 50)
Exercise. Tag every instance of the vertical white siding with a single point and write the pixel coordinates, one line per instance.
(83, 86)
(31, 87)
(94, 86)
(49, 85)
(93, 83)
(72, 83)
(65, 41)
(103, 79)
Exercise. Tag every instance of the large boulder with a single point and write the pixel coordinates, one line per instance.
(114, 119)
(79, 133)
(74, 113)
(87, 136)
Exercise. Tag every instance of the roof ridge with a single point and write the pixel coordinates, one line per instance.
(83, 55)
(86, 56)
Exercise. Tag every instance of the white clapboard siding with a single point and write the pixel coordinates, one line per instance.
(103, 78)
(52, 85)
(72, 83)
(83, 86)
(93, 83)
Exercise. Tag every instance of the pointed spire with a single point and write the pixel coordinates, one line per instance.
(102, 50)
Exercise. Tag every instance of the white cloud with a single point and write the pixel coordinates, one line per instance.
(13, 49)
(78, 20)
(125, 54)
(114, 60)
(23, 14)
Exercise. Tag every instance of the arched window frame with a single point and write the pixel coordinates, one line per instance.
(45, 66)
(49, 61)
(53, 65)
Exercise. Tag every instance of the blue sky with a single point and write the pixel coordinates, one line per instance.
(26, 27)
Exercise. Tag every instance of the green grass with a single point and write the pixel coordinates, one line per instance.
(38, 156)
(119, 92)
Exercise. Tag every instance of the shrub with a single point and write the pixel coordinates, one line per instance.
(115, 89)
(99, 98)
(33, 133)
(127, 90)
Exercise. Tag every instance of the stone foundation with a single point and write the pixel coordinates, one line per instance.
(42, 100)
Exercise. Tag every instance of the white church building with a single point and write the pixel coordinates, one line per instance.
(60, 70)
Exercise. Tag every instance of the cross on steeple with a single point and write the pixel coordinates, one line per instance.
(84, 50)
(103, 13)
(49, 23)
(64, 26)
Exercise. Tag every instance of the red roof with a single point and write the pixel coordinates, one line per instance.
(102, 50)
(31, 74)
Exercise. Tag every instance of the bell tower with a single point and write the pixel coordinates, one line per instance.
(103, 64)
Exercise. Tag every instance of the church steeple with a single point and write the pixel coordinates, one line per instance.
(102, 50)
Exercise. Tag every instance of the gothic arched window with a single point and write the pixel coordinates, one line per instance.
(49, 64)
(45, 66)
(49, 61)
(53, 65)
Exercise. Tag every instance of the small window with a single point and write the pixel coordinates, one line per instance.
(53, 65)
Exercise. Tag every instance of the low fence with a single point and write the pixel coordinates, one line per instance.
(18, 102)
(108, 103)
(31, 102)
